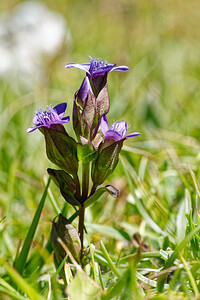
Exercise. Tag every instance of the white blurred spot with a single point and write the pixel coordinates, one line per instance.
(27, 33)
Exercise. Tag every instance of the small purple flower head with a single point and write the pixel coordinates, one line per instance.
(50, 117)
(117, 131)
(97, 71)
(97, 67)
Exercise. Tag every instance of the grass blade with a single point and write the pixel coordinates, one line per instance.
(107, 257)
(9, 290)
(22, 284)
(21, 261)
(139, 205)
(172, 258)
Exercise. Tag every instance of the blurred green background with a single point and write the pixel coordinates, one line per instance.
(159, 97)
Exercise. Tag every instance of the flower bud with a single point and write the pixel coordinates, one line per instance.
(64, 230)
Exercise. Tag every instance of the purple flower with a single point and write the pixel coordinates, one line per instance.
(97, 67)
(50, 117)
(97, 71)
(117, 131)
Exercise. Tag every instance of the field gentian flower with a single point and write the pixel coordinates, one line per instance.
(97, 67)
(97, 71)
(117, 131)
(50, 117)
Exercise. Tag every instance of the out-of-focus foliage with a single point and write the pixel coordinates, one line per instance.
(159, 96)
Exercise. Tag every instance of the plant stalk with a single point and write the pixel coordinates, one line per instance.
(85, 181)
(81, 227)
(85, 186)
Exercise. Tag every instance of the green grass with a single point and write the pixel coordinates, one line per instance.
(146, 242)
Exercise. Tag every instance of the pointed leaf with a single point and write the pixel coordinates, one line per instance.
(22, 284)
(162, 278)
(82, 288)
(66, 184)
(21, 261)
(108, 188)
(61, 150)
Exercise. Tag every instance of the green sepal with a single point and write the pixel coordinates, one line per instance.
(66, 184)
(106, 162)
(89, 110)
(108, 188)
(61, 150)
(86, 153)
(102, 102)
(102, 108)
(77, 124)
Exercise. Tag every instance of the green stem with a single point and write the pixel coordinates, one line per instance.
(85, 181)
(81, 226)
(85, 186)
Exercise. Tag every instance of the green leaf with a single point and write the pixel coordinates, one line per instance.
(7, 289)
(106, 162)
(109, 260)
(108, 188)
(139, 204)
(82, 288)
(61, 150)
(108, 231)
(21, 261)
(85, 153)
(66, 184)
(22, 284)
(171, 259)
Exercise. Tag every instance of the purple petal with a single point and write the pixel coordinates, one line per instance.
(85, 67)
(65, 119)
(120, 68)
(31, 129)
(60, 109)
(84, 89)
(113, 135)
(120, 127)
(104, 124)
(132, 135)
(35, 120)
(103, 69)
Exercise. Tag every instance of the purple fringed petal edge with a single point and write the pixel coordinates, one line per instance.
(132, 135)
(85, 67)
(120, 68)
(63, 121)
